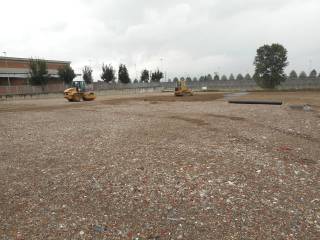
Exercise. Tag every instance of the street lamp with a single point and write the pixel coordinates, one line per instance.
(135, 68)
(5, 55)
(310, 64)
(90, 66)
(162, 69)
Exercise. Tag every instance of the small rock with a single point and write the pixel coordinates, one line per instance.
(99, 229)
(61, 226)
(230, 183)
(307, 108)
(203, 194)
(19, 236)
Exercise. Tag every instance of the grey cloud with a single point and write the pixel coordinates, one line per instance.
(55, 27)
(193, 37)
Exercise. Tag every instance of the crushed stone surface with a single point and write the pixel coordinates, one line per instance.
(146, 168)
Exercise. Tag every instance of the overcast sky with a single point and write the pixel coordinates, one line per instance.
(192, 37)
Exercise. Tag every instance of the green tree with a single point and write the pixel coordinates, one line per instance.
(108, 73)
(144, 76)
(87, 74)
(135, 81)
(248, 77)
(175, 79)
(224, 78)
(239, 77)
(270, 63)
(38, 72)
(293, 75)
(188, 79)
(313, 74)
(231, 78)
(195, 79)
(303, 75)
(156, 76)
(123, 74)
(216, 77)
(66, 73)
(209, 77)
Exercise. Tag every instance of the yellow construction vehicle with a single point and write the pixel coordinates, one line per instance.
(182, 89)
(79, 91)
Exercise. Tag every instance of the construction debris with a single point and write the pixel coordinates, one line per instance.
(265, 102)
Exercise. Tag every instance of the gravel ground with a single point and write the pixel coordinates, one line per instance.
(158, 167)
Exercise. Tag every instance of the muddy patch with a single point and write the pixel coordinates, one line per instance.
(117, 101)
(295, 134)
(197, 97)
(234, 118)
(196, 121)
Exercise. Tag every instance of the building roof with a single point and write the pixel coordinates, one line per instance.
(28, 59)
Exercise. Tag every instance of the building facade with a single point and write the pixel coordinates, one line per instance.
(16, 71)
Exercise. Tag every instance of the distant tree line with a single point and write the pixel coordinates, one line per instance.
(269, 62)
(216, 77)
(303, 75)
(109, 75)
(231, 77)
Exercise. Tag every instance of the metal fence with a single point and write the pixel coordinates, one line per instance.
(308, 83)
(29, 90)
(120, 86)
(102, 87)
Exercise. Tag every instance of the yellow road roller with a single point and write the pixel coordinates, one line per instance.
(79, 92)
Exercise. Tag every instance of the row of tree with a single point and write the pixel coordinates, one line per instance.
(108, 75)
(216, 77)
(209, 77)
(270, 62)
(313, 74)
(39, 74)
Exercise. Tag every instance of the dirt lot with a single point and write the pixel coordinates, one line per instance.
(159, 167)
